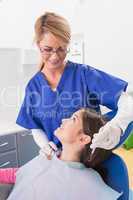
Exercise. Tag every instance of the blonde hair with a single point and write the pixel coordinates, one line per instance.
(55, 24)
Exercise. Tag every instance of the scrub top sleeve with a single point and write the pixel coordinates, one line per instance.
(26, 117)
(106, 87)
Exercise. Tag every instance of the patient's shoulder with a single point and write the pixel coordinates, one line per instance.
(94, 175)
(33, 167)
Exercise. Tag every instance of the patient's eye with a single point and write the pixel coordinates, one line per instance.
(74, 118)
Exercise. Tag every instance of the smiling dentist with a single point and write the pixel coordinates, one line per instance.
(61, 87)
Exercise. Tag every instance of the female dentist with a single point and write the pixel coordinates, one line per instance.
(61, 87)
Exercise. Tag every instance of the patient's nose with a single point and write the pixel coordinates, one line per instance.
(64, 120)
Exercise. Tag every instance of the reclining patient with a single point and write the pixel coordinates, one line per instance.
(72, 175)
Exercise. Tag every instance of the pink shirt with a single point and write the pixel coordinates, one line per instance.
(8, 175)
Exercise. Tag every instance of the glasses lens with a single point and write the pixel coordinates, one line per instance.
(46, 50)
(61, 51)
(49, 51)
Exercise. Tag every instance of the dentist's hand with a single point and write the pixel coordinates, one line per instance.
(49, 149)
(107, 137)
(53, 146)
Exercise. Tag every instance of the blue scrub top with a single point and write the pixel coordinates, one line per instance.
(80, 86)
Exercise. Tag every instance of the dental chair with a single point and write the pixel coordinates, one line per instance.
(117, 177)
(117, 170)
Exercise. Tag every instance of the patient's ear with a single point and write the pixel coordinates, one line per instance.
(85, 139)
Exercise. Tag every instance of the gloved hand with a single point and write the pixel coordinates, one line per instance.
(109, 135)
(125, 111)
(48, 150)
(53, 146)
(107, 138)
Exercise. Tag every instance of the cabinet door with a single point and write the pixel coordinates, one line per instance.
(27, 148)
(7, 143)
(8, 159)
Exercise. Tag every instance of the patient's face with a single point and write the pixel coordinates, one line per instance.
(70, 128)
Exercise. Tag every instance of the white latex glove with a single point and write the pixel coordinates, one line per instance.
(109, 135)
(53, 146)
(47, 147)
(107, 138)
(40, 137)
(125, 111)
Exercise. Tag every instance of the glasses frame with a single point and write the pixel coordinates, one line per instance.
(54, 50)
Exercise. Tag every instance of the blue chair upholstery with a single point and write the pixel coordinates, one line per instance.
(117, 177)
(117, 171)
(125, 135)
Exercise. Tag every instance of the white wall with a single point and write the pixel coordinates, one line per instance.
(108, 36)
(107, 27)
(11, 23)
(17, 19)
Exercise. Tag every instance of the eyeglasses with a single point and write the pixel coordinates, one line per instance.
(49, 51)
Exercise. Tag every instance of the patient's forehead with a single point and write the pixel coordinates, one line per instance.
(79, 114)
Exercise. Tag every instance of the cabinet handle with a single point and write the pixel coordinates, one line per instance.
(4, 164)
(25, 134)
(4, 144)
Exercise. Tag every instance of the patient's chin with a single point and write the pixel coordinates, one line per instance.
(57, 132)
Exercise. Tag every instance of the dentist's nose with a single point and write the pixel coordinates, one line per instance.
(54, 55)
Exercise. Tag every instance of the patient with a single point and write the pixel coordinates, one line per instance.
(73, 174)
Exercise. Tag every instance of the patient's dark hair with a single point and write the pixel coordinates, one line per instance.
(92, 122)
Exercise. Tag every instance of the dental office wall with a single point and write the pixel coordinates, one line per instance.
(106, 26)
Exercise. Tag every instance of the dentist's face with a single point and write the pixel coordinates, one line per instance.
(53, 50)
(70, 128)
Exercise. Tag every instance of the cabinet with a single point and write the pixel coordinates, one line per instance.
(27, 148)
(8, 151)
(17, 149)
